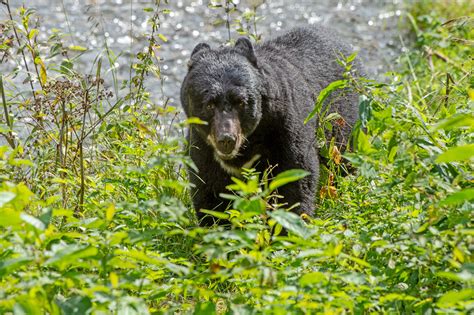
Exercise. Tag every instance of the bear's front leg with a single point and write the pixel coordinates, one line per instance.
(298, 153)
(208, 182)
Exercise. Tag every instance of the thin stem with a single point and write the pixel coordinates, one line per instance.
(61, 150)
(7, 4)
(227, 11)
(81, 154)
(9, 136)
(131, 55)
(67, 22)
(255, 23)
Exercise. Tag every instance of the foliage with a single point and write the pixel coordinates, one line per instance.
(94, 205)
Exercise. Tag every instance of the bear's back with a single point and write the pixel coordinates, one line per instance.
(314, 51)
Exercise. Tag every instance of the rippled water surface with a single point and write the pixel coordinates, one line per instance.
(370, 25)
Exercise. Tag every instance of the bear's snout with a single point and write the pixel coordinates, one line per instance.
(225, 134)
(226, 143)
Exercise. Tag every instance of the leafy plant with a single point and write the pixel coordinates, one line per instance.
(95, 214)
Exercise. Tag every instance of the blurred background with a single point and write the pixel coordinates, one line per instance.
(371, 26)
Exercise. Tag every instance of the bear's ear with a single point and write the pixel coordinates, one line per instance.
(200, 47)
(245, 47)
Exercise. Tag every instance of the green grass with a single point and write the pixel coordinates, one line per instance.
(95, 210)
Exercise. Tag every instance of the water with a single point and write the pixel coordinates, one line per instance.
(370, 25)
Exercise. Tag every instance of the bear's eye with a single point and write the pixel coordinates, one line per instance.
(210, 106)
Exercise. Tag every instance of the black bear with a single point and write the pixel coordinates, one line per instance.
(255, 101)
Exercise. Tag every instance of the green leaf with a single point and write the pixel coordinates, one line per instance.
(456, 121)
(286, 177)
(33, 32)
(6, 197)
(10, 265)
(27, 306)
(458, 197)
(451, 298)
(217, 214)
(31, 220)
(291, 222)
(195, 121)
(77, 48)
(66, 67)
(391, 297)
(75, 305)
(42, 73)
(312, 278)
(457, 154)
(71, 253)
(162, 37)
(357, 260)
(253, 206)
(351, 57)
(363, 143)
(464, 276)
(323, 95)
(206, 308)
(9, 217)
(364, 109)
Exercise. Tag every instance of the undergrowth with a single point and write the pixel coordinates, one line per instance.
(94, 207)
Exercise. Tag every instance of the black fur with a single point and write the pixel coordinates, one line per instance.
(271, 87)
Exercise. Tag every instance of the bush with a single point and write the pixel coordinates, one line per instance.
(94, 205)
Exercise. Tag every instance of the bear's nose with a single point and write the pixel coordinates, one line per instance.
(226, 143)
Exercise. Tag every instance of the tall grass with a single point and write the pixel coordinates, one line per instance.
(95, 214)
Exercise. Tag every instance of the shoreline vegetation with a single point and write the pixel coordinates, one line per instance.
(95, 213)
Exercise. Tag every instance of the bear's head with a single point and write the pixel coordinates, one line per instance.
(223, 88)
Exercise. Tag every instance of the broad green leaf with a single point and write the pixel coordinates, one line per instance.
(464, 276)
(71, 253)
(312, 278)
(6, 197)
(75, 305)
(287, 177)
(363, 143)
(457, 154)
(31, 220)
(451, 298)
(254, 206)
(291, 222)
(323, 95)
(246, 187)
(458, 197)
(10, 217)
(456, 121)
(129, 305)
(141, 256)
(205, 308)
(10, 265)
(27, 306)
